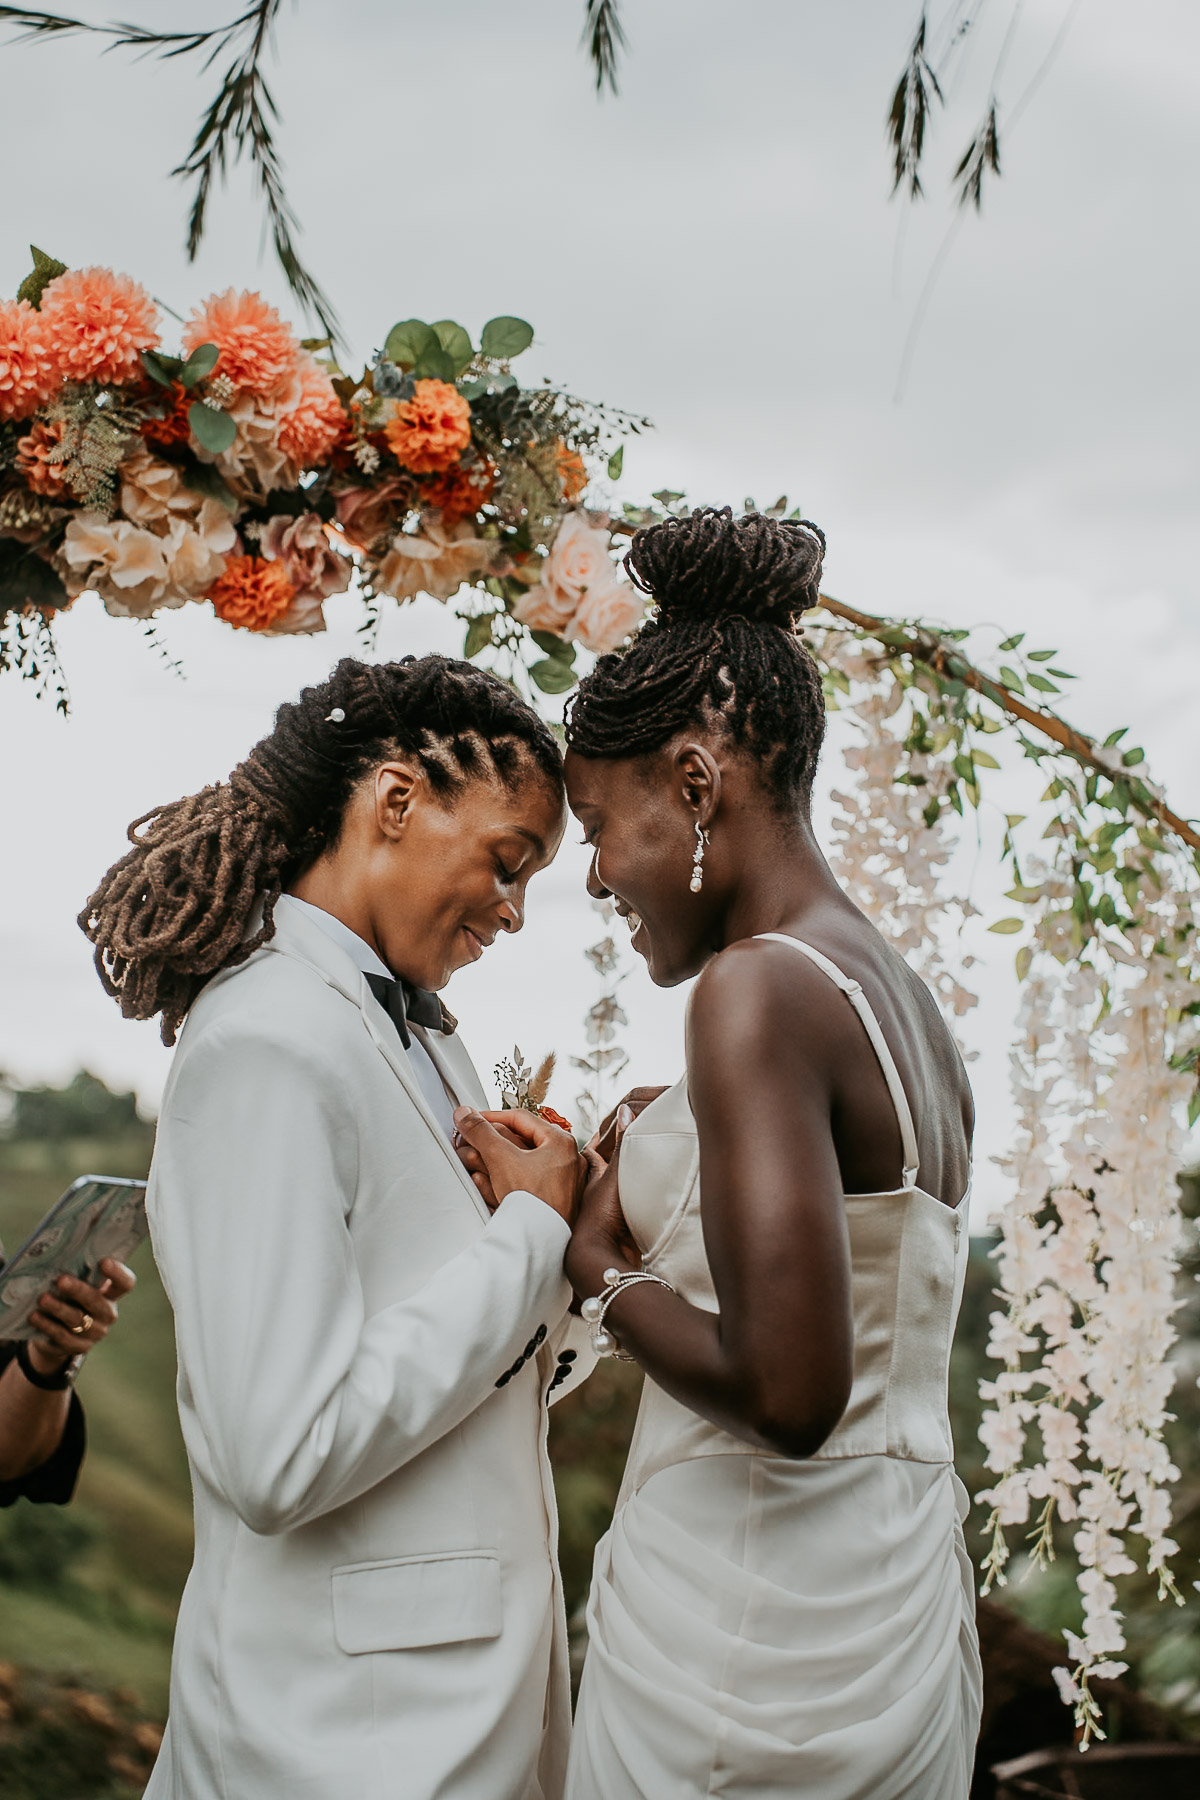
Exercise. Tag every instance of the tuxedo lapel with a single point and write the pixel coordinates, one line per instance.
(449, 1056)
(297, 936)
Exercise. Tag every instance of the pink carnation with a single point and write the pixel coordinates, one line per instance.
(309, 561)
(26, 371)
(258, 351)
(94, 324)
(310, 428)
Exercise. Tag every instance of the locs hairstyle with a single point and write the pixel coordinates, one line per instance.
(178, 906)
(720, 648)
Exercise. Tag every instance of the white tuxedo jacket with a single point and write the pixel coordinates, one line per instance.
(364, 1357)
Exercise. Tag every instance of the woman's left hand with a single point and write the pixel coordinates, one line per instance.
(602, 1238)
(73, 1317)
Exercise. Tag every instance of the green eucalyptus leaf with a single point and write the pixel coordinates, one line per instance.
(1114, 737)
(1024, 961)
(200, 363)
(1006, 927)
(504, 338)
(616, 463)
(1011, 643)
(435, 364)
(455, 342)
(984, 759)
(554, 646)
(407, 342)
(1040, 655)
(45, 270)
(163, 369)
(479, 634)
(213, 431)
(472, 390)
(553, 676)
(1133, 756)
(1042, 685)
(1011, 679)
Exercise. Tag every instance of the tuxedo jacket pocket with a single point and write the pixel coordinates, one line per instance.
(416, 1602)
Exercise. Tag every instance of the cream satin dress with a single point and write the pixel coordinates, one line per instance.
(760, 1625)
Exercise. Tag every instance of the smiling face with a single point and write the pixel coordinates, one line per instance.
(430, 882)
(639, 816)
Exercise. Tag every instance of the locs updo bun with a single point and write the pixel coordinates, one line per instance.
(719, 649)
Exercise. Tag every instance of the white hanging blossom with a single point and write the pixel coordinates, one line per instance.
(605, 1058)
(1090, 1241)
(890, 842)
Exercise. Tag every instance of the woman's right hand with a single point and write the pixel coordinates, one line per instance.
(544, 1160)
(605, 1137)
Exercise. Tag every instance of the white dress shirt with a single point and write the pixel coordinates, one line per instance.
(361, 954)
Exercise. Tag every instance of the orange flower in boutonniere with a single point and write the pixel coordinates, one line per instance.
(523, 1091)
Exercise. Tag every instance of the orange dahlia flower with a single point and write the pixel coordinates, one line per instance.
(310, 428)
(95, 323)
(251, 593)
(27, 373)
(258, 351)
(571, 471)
(430, 432)
(462, 490)
(33, 460)
(174, 428)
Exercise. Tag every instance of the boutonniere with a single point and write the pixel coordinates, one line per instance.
(523, 1090)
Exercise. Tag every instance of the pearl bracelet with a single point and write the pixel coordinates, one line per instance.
(593, 1310)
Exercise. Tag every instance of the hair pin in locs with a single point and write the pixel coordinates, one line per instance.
(336, 717)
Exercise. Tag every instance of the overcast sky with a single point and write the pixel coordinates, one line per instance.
(714, 248)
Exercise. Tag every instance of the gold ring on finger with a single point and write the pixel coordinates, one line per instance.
(85, 1324)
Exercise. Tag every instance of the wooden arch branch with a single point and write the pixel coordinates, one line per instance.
(947, 661)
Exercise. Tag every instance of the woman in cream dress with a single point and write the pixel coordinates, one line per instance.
(783, 1604)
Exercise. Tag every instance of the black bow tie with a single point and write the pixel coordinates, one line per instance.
(401, 1001)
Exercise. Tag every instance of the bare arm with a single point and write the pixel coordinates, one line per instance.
(774, 1364)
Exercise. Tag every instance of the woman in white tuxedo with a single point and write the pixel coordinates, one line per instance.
(365, 1349)
(783, 1604)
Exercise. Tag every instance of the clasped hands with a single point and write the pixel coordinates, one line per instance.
(503, 1151)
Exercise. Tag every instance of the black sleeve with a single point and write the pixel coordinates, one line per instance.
(53, 1482)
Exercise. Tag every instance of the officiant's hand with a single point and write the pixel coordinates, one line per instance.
(73, 1317)
(545, 1162)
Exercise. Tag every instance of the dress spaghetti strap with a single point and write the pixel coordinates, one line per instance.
(887, 1062)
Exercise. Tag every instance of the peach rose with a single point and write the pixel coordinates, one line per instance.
(578, 560)
(607, 616)
(365, 513)
(309, 561)
(544, 609)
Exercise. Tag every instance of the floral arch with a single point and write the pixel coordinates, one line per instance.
(248, 472)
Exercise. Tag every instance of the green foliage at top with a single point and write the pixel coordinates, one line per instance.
(445, 350)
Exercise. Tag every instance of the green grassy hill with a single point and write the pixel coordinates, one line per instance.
(92, 1589)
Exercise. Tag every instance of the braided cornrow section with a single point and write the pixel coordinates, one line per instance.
(720, 648)
(179, 905)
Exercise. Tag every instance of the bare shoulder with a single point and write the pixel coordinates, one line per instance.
(758, 991)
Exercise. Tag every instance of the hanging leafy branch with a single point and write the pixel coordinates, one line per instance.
(605, 39)
(912, 103)
(237, 123)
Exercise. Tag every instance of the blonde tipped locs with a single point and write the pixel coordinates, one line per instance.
(182, 903)
(720, 649)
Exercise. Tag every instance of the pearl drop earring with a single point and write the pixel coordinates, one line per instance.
(697, 881)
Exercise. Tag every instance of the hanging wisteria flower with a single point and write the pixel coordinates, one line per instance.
(27, 370)
(429, 432)
(258, 352)
(95, 325)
